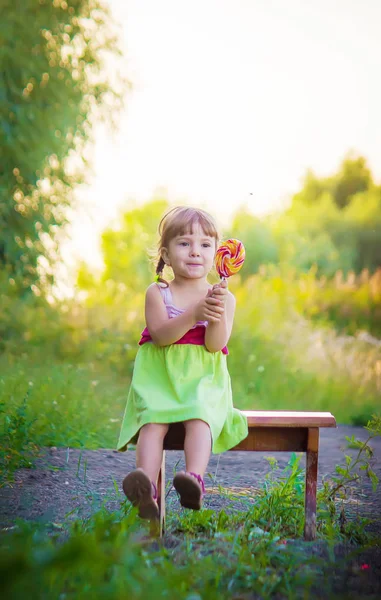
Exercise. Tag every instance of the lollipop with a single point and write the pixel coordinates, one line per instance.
(229, 258)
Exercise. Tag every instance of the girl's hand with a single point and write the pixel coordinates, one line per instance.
(209, 309)
(220, 291)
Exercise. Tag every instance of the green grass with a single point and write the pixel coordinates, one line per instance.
(281, 360)
(255, 551)
(204, 554)
(109, 559)
(272, 378)
(77, 405)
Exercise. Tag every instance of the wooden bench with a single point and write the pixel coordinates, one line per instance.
(270, 431)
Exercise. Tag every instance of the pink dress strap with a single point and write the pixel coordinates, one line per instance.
(166, 293)
(172, 310)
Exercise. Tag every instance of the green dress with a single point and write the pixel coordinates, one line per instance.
(179, 382)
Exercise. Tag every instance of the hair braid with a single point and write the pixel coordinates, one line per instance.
(159, 271)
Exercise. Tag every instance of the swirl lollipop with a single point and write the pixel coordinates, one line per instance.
(229, 258)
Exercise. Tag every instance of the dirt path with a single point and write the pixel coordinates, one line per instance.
(66, 480)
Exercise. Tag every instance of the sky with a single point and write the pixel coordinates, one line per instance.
(231, 102)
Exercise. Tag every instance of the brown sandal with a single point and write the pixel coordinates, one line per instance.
(142, 492)
(191, 489)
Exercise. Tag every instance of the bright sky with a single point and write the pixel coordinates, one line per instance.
(232, 101)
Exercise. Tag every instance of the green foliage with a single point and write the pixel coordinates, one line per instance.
(128, 270)
(279, 508)
(28, 320)
(329, 238)
(351, 304)
(303, 239)
(349, 474)
(353, 177)
(260, 245)
(125, 249)
(77, 405)
(337, 489)
(53, 85)
(107, 560)
(361, 230)
(333, 223)
(279, 358)
(17, 447)
(204, 554)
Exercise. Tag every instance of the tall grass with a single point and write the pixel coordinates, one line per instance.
(281, 359)
(17, 444)
(77, 405)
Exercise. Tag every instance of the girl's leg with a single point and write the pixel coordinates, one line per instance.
(149, 449)
(197, 446)
(140, 485)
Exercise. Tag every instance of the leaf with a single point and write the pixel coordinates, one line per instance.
(341, 471)
(354, 443)
(373, 477)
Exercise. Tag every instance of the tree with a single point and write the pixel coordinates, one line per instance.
(53, 85)
(127, 251)
(329, 235)
(353, 177)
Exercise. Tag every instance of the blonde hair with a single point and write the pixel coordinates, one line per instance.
(180, 221)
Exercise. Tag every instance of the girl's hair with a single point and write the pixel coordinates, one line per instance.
(180, 221)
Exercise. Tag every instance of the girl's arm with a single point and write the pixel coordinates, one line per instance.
(165, 331)
(218, 333)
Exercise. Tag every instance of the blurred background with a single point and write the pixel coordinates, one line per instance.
(266, 114)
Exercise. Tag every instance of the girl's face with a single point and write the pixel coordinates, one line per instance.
(191, 255)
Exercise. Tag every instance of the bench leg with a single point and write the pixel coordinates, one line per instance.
(161, 496)
(311, 483)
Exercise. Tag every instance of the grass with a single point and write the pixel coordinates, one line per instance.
(77, 405)
(281, 360)
(110, 558)
(251, 553)
(17, 448)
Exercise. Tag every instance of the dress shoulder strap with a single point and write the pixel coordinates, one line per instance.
(166, 294)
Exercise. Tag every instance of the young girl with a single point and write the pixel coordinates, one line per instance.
(180, 372)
